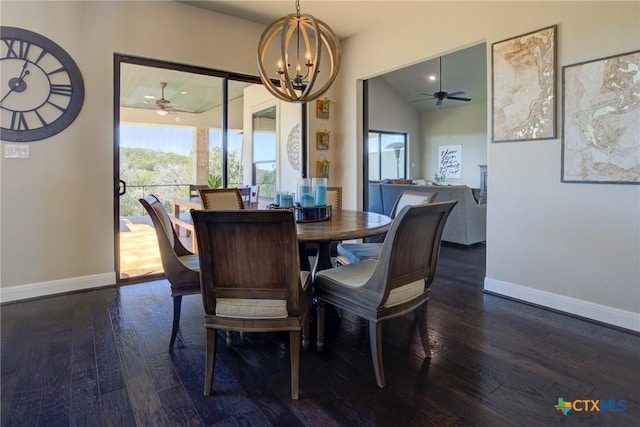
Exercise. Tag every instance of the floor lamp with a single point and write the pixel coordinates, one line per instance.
(396, 146)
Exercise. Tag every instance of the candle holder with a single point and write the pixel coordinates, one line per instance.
(313, 214)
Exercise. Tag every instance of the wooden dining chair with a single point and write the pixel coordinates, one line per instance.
(334, 197)
(181, 266)
(269, 293)
(254, 195)
(194, 188)
(392, 285)
(348, 253)
(221, 198)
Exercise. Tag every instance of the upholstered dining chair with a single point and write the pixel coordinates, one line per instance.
(221, 198)
(181, 266)
(267, 294)
(354, 252)
(396, 283)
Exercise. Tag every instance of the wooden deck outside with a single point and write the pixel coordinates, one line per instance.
(139, 252)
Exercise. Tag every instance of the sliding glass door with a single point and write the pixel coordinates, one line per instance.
(174, 126)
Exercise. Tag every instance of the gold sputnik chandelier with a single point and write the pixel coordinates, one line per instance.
(295, 69)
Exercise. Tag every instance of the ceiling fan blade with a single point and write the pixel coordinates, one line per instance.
(183, 110)
(456, 93)
(455, 98)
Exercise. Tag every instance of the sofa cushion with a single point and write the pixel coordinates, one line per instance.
(467, 223)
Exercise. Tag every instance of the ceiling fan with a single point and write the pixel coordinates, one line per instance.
(441, 95)
(163, 105)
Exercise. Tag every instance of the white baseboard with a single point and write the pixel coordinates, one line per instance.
(601, 313)
(35, 290)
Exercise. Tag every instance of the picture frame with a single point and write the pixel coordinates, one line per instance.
(523, 98)
(323, 108)
(322, 140)
(601, 120)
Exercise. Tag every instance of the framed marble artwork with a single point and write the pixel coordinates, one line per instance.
(523, 101)
(601, 120)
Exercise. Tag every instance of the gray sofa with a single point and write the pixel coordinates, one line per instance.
(467, 223)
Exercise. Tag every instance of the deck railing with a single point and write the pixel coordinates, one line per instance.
(167, 193)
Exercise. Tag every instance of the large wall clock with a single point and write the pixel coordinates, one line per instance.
(41, 87)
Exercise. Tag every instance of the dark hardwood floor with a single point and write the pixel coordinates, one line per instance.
(100, 358)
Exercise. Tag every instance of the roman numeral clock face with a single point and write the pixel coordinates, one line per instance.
(41, 87)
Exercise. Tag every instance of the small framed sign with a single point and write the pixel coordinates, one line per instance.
(322, 140)
(322, 108)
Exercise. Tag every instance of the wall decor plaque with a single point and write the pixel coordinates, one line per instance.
(524, 86)
(601, 120)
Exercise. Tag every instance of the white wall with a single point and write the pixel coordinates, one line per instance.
(57, 231)
(573, 247)
(465, 126)
(388, 111)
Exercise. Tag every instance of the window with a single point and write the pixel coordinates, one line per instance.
(264, 151)
(387, 155)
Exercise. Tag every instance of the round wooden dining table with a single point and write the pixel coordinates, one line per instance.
(344, 225)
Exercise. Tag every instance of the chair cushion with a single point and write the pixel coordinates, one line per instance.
(356, 252)
(251, 308)
(405, 293)
(355, 275)
(190, 261)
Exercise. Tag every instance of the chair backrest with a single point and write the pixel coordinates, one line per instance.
(194, 188)
(334, 197)
(254, 194)
(248, 254)
(411, 197)
(221, 198)
(411, 248)
(170, 246)
(245, 193)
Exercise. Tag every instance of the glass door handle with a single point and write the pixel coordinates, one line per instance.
(122, 187)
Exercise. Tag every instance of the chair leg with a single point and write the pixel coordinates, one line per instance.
(177, 304)
(424, 329)
(375, 341)
(305, 332)
(320, 319)
(210, 360)
(294, 350)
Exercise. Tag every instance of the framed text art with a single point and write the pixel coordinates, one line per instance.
(601, 120)
(450, 161)
(524, 86)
